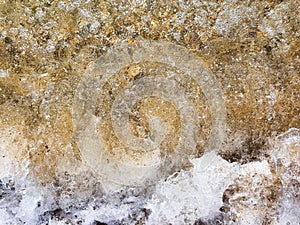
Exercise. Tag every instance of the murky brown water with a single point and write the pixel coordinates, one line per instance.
(170, 76)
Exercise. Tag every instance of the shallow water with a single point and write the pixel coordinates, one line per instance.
(149, 112)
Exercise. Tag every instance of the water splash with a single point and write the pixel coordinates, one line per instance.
(105, 137)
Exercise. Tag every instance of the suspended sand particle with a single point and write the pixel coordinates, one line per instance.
(3, 73)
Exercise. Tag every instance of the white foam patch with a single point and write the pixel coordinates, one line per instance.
(194, 194)
(286, 155)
